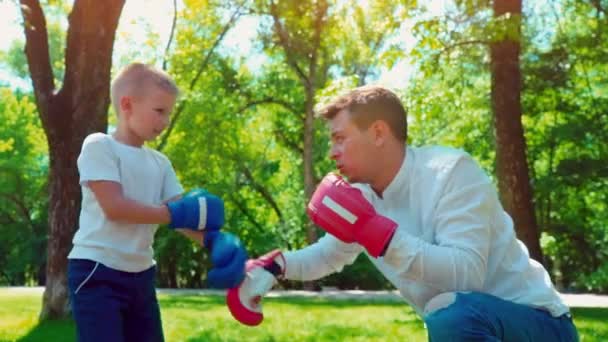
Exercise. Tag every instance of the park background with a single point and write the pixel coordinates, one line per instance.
(520, 85)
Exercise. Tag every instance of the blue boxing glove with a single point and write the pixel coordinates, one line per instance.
(197, 210)
(228, 257)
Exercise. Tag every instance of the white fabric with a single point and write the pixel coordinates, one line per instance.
(453, 235)
(146, 176)
(202, 213)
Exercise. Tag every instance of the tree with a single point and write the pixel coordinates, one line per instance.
(68, 114)
(511, 161)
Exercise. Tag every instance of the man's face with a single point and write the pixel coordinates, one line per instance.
(351, 148)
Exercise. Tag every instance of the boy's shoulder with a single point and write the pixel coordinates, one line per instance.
(158, 154)
(96, 137)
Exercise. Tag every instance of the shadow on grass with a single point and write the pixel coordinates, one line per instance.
(204, 301)
(58, 330)
(329, 332)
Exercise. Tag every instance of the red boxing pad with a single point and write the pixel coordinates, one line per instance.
(244, 302)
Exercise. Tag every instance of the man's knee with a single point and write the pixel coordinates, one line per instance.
(445, 320)
(440, 301)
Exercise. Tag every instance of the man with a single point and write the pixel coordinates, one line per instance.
(430, 220)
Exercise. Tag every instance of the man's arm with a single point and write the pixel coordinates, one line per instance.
(457, 259)
(324, 257)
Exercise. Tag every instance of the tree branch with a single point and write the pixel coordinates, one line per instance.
(285, 43)
(320, 12)
(243, 209)
(38, 56)
(262, 191)
(182, 105)
(173, 24)
(268, 100)
(291, 144)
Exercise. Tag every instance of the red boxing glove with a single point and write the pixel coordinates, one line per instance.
(244, 301)
(342, 211)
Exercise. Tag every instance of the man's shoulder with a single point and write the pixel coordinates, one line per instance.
(439, 157)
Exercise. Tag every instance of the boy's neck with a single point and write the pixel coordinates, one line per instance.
(128, 139)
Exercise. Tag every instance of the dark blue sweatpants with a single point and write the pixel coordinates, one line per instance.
(112, 305)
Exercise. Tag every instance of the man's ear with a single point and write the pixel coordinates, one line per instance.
(379, 130)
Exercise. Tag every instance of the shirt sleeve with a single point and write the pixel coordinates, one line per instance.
(326, 256)
(457, 258)
(97, 161)
(171, 185)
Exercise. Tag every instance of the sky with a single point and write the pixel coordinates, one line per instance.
(158, 17)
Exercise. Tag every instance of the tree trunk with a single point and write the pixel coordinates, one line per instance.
(512, 165)
(68, 116)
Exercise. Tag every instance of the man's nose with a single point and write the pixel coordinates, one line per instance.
(333, 153)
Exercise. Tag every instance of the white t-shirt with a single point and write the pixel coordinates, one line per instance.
(452, 235)
(146, 176)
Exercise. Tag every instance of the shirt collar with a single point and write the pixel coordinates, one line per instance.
(403, 178)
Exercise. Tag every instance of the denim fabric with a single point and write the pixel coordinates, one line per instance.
(112, 305)
(475, 316)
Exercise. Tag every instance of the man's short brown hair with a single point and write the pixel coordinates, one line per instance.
(368, 104)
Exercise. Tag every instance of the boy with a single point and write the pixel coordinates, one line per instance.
(127, 190)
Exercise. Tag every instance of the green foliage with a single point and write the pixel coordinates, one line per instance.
(239, 132)
(566, 124)
(23, 199)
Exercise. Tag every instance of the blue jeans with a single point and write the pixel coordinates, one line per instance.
(474, 316)
(112, 305)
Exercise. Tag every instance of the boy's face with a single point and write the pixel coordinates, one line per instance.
(147, 115)
(352, 149)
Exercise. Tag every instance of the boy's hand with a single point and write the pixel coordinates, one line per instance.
(197, 210)
(228, 257)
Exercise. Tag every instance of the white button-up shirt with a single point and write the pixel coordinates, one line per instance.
(452, 235)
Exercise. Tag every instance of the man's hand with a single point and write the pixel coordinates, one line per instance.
(244, 301)
(342, 211)
(197, 210)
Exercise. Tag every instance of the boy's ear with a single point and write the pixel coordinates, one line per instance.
(126, 104)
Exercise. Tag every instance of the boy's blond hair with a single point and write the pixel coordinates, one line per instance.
(134, 78)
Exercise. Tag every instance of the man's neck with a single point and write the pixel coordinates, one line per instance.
(388, 169)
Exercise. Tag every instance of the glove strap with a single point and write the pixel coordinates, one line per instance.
(275, 269)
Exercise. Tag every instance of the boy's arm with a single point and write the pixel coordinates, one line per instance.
(117, 207)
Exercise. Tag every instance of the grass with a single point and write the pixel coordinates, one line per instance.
(205, 318)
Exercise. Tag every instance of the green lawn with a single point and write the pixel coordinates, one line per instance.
(205, 318)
